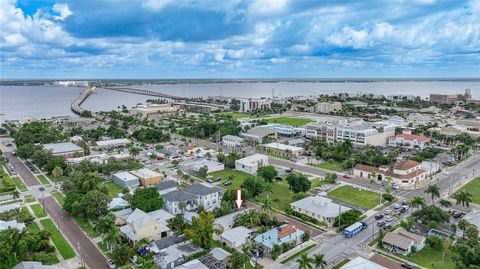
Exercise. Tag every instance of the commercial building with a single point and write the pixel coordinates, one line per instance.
(212, 166)
(365, 133)
(327, 107)
(232, 141)
(402, 241)
(259, 134)
(125, 179)
(285, 130)
(284, 150)
(320, 208)
(251, 163)
(64, 149)
(113, 143)
(154, 110)
(325, 129)
(147, 177)
(409, 141)
(450, 98)
(247, 105)
(406, 174)
(419, 119)
(199, 107)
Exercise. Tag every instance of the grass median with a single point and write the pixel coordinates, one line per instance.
(58, 240)
(19, 183)
(43, 180)
(38, 210)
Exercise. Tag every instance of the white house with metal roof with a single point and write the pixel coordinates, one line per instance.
(251, 163)
(320, 208)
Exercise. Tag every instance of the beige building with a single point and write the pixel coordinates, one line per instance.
(327, 107)
(155, 110)
(147, 177)
(284, 150)
(140, 225)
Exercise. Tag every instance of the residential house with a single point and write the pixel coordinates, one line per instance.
(236, 237)
(286, 233)
(208, 195)
(166, 186)
(12, 224)
(212, 166)
(139, 225)
(118, 203)
(320, 208)
(251, 163)
(402, 241)
(178, 201)
(122, 215)
(175, 255)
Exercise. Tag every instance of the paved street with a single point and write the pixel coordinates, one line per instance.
(92, 256)
(22, 170)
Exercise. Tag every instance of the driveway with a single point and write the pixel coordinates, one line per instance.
(87, 250)
(22, 170)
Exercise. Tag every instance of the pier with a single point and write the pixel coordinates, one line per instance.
(75, 106)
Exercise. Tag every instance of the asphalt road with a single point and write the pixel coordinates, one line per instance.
(92, 256)
(22, 170)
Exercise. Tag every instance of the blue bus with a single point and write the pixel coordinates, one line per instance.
(354, 229)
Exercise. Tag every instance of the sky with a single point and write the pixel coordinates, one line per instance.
(167, 39)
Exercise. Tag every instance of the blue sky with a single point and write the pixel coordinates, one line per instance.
(239, 39)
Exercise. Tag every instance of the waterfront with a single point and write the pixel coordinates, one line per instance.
(45, 101)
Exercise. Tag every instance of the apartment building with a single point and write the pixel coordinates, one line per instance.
(251, 163)
(247, 105)
(365, 133)
(327, 107)
(232, 141)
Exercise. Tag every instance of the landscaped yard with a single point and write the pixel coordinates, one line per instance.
(431, 258)
(43, 179)
(473, 187)
(355, 196)
(33, 227)
(30, 199)
(236, 178)
(38, 210)
(86, 227)
(60, 242)
(281, 196)
(334, 166)
(113, 189)
(59, 197)
(243, 115)
(289, 121)
(19, 183)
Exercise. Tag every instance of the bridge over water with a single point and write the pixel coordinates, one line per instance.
(147, 92)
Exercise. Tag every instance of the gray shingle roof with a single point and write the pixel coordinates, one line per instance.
(178, 196)
(202, 189)
(165, 185)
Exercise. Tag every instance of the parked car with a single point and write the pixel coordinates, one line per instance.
(387, 226)
(407, 265)
(226, 183)
(218, 179)
(347, 176)
(380, 223)
(278, 178)
(378, 216)
(396, 206)
(404, 202)
(402, 210)
(289, 170)
(209, 180)
(457, 214)
(110, 264)
(387, 211)
(389, 219)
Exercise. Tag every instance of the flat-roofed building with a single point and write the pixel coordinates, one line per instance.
(362, 263)
(113, 143)
(247, 105)
(365, 133)
(409, 141)
(155, 110)
(327, 107)
(232, 141)
(147, 176)
(284, 150)
(251, 163)
(125, 179)
(259, 134)
(236, 237)
(64, 149)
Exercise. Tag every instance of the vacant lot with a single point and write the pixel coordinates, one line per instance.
(431, 258)
(355, 196)
(243, 115)
(60, 242)
(236, 177)
(289, 121)
(281, 195)
(334, 166)
(473, 187)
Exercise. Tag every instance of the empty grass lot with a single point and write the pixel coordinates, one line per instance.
(60, 242)
(19, 183)
(236, 178)
(43, 179)
(473, 187)
(281, 195)
(430, 258)
(289, 121)
(355, 196)
(333, 166)
(38, 210)
(59, 197)
(113, 189)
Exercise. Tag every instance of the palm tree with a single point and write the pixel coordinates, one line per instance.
(445, 203)
(319, 261)
(15, 194)
(462, 225)
(433, 190)
(463, 197)
(305, 262)
(57, 171)
(246, 249)
(113, 237)
(417, 201)
(268, 188)
(267, 204)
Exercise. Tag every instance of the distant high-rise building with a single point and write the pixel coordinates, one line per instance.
(450, 98)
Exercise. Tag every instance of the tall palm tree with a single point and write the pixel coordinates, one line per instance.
(433, 190)
(305, 262)
(463, 197)
(15, 194)
(417, 201)
(319, 261)
(246, 249)
(462, 225)
(268, 187)
(445, 203)
(267, 204)
(113, 237)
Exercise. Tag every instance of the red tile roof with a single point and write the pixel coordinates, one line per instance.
(405, 164)
(287, 230)
(412, 137)
(365, 168)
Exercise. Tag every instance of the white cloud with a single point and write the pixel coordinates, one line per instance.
(349, 37)
(267, 7)
(63, 10)
(156, 5)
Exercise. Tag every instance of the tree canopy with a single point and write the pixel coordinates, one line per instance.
(147, 199)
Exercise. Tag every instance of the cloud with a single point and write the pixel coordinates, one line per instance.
(63, 10)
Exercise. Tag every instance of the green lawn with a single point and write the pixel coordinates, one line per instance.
(243, 115)
(86, 227)
(473, 187)
(340, 264)
(59, 197)
(317, 182)
(60, 242)
(113, 189)
(30, 199)
(333, 166)
(430, 258)
(19, 183)
(289, 121)
(58, 179)
(38, 210)
(355, 196)
(33, 227)
(103, 246)
(236, 179)
(43, 179)
(281, 196)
